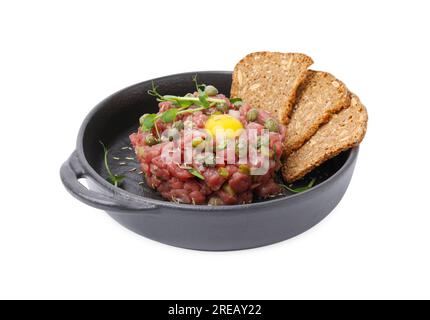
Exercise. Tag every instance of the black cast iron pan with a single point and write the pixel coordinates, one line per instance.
(142, 210)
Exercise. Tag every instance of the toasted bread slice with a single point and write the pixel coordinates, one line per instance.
(269, 80)
(344, 130)
(318, 98)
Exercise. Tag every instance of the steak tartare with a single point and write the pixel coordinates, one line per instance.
(196, 175)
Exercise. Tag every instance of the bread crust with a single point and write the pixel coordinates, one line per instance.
(269, 80)
(345, 130)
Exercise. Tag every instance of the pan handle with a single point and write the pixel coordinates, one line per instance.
(72, 170)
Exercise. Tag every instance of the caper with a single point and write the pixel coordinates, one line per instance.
(150, 140)
(244, 168)
(223, 172)
(215, 201)
(238, 104)
(222, 107)
(226, 187)
(197, 141)
(271, 125)
(252, 115)
(178, 125)
(211, 91)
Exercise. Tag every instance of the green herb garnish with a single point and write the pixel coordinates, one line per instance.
(234, 100)
(169, 115)
(196, 173)
(113, 178)
(184, 103)
(148, 122)
(199, 87)
(300, 189)
(203, 101)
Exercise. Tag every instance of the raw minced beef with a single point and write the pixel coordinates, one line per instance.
(219, 184)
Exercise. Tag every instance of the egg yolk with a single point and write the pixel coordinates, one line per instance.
(227, 124)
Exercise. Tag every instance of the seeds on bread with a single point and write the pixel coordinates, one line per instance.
(345, 130)
(269, 80)
(318, 98)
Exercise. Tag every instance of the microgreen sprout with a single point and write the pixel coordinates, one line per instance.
(182, 105)
(114, 179)
(300, 189)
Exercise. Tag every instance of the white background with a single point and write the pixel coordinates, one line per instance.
(60, 58)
